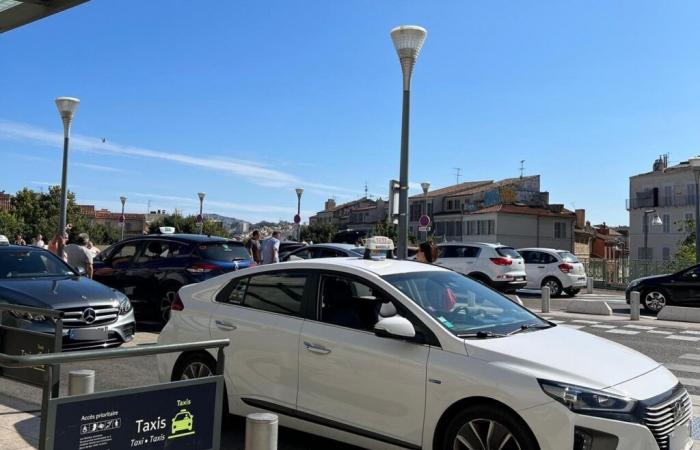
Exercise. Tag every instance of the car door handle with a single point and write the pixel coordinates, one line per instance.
(540, 267)
(225, 325)
(316, 348)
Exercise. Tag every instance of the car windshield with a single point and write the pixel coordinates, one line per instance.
(508, 252)
(463, 306)
(223, 251)
(568, 257)
(32, 264)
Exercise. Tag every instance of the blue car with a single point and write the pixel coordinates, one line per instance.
(151, 269)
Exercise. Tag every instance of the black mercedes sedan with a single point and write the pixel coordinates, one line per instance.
(95, 316)
(681, 288)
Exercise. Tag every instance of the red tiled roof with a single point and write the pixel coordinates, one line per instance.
(457, 188)
(515, 209)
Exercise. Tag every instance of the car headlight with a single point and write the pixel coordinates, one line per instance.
(124, 306)
(589, 401)
(633, 284)
(32, 317)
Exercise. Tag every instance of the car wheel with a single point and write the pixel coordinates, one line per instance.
(193, 366)
(487, 427)
(554, 286)
(654, 300)
(572, 292)
(166, 302)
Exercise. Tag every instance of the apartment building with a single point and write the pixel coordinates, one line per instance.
(361, 215)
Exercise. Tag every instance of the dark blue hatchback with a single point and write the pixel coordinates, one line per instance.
(151, 269)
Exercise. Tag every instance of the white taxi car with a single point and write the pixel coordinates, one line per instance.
(400, 354)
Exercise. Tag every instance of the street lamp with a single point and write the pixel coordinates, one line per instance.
(122, 219)
(66, 108)
(655, 221)
(297, 219)
(425, 185)
(200, 218)
(408, 40)
(695, 164)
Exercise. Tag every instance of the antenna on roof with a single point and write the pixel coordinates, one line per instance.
(522, 167)
(366, 190)
(458, 172)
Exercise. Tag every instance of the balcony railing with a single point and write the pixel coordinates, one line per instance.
(677, 201)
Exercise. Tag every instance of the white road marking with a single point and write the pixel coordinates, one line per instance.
(588, 322)
(683, 368)
(690, 382)
(697, 333)
(678, 337)
(695, 399)
(617, 331)
(575, 327)
(692, 356)
(607, 327)
(639, 327)
(660, 332)
(558, 321)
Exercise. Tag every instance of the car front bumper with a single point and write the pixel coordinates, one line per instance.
(118, 333)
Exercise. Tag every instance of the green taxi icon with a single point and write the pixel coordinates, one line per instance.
(182, 422)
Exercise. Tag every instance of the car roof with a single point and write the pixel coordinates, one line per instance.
(335, 245)
(542, 249)
(14, 248)
(481, 244)
(378, 267)
(184, 237)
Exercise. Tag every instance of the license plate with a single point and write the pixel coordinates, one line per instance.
(680, 438)
(519, 278)
(88, 334)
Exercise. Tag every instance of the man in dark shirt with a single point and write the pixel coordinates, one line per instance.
(253, 246)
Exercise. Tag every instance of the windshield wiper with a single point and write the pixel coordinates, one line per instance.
(482, 335)
(530, 326)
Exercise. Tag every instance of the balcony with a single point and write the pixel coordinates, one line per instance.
(675, 201)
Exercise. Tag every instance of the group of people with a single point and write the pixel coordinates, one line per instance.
(79, 254)
(264, 251)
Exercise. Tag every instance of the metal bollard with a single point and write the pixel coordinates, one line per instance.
(545, 299)
(589, 285)
(634, 305)
(81, 382)
(261, 431)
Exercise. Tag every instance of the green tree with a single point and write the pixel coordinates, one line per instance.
(685, 255)
(318, 233)
(188, 224)
(39, 212)
(9, 225)
(389, 230)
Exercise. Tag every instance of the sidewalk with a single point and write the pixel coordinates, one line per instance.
(19, 424)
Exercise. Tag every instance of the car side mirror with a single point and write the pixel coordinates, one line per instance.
(395, 327)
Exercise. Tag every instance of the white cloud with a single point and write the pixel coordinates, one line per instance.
(255, 173)
(99, 167)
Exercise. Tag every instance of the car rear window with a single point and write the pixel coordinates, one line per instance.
(568, 257)
(508, 252)
(223, 251)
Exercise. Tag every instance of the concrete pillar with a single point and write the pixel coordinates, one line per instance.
(589, 285)
(261, 431)
(81, 382)
(634, 305)
(545, 299)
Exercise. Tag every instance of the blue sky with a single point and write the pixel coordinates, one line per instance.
(248, 100)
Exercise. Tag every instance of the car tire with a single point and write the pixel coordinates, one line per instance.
(194, 366)
(572, 292)
(165, 302)
(475, 424)
(554, 285)
(653, 300)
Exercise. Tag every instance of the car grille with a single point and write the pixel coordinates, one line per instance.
(663, 418)
(103, 315)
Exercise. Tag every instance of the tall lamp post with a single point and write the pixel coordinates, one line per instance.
(122, 219)
(408, 40)
(67, 106)
(200, 218)
(425, 185)
(655, 221)
(695, 164)
(297, 218)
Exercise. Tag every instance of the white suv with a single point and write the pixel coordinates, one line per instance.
(400, 354)
(559, 270)
(496, 265)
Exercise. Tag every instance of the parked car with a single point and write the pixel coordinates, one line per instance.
(400, 354)
(324, 251)
(495, 265)
(95, 316)
(559, 270)
(286, 247)
(655, 292)
(349, 236)
(150, 269)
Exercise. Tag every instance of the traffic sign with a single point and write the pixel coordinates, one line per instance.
(424, 221)
(422, 229)
(297, 219)
(200, 219)
(121, 220)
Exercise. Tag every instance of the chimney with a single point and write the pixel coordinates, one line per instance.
(661, 164)
(330, 205)
(580, 218)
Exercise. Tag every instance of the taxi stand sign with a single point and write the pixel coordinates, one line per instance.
(177, 415)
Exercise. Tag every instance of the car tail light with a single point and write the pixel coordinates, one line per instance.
(502, 261)
(177, 304)
(202, 268)
(566, 268)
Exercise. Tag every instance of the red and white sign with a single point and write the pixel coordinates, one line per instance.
(121, 220)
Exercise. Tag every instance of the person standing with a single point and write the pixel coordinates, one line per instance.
(55, 244)
(19, 240)
(427, 252)
(39, 241)
(253, 247)
(79, 256)
(271, 249)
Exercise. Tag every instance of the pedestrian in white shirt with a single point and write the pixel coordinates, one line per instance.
(271, 249)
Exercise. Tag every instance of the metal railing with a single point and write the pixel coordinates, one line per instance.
(617, 273)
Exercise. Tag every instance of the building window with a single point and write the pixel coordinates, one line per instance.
(666, 223)
(668, 196)
(560, 230)
(666, 253)
(690, 193)
(449, 205)
(649, 253)
(458, 228)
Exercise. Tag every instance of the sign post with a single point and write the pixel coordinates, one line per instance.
(424, 225)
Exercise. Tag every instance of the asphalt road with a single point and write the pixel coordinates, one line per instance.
(676, 348)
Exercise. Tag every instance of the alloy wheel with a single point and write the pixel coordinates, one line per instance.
(485, 434)
(165, 304)
(553, 286)
(654, 301)
(195, 369)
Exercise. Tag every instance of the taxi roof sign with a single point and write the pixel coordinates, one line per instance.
(379, 243)
(166, 230)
